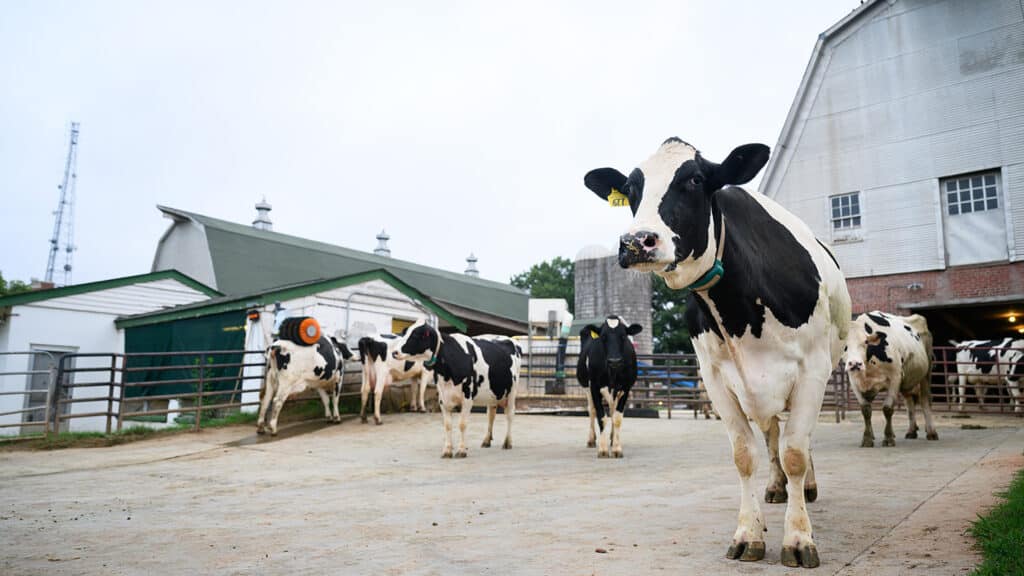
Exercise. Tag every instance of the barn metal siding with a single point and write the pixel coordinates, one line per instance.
(909, 93)
(131, 299)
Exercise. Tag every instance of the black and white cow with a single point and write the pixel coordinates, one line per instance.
(380, 369)
(768, 312)
(292, 368)
(985, 363)
(607, 368)
(482, 369)
(894, 354)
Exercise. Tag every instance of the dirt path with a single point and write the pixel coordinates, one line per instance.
(355, 499)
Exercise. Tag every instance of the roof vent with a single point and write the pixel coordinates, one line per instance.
(471, 266)
(382, 245)
(262, 221)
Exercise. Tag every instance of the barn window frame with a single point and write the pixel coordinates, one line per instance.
(845, 212)
(970, 193)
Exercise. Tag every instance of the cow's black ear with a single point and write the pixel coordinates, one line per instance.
(741, 165)
(634, 329)
(589, 332)
(602, 181)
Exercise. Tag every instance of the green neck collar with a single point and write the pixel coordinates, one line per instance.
(709, 279)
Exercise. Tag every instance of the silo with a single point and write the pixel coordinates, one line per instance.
(603, 288)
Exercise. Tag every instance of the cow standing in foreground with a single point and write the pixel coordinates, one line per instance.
(607, 368)
(292, 368)
(894, 354)
(768, 312)
(467, 370)
(984, 363)
(380, 369)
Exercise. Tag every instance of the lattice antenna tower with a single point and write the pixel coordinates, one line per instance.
(64, 217)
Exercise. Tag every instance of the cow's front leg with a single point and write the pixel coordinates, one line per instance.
(798, 548)
(423, 391)
(605, 423)
(775, 492)
(492, 411)
(617, 410)
(510, 412)
(911, 415)
(888, 407)
(865, 409)
(464, 410)
(446, 413)
(592, 438)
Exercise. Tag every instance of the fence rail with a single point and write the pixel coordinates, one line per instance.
(117, 388)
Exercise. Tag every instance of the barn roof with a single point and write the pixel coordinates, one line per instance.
(805, 93)
(75, 289)
(246, 259)
(296, 290)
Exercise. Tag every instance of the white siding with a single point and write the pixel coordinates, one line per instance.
(184, 248)
(913, 92)
(128, 300)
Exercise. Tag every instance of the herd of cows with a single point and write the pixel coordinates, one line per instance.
(768, 313)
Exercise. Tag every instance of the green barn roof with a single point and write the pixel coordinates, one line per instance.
(246, 259)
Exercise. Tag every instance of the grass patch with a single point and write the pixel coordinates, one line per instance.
(1000, 534)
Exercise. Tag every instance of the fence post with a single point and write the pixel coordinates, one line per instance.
(120, 396)
(51, 387)
(54, 399)
(199, 396)
(110, 390)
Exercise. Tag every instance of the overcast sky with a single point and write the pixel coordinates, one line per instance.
(457, 126)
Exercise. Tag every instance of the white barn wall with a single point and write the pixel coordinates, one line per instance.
(184, 248)
(917, 91)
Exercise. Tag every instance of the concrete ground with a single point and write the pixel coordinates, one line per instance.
(363, 499)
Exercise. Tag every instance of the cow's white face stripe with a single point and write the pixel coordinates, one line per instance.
(659, 170)
(612, 322)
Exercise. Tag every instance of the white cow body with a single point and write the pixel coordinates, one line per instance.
(986, 363)
(292, 368)
(381, 369)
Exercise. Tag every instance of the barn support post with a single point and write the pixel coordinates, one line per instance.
(199, 393)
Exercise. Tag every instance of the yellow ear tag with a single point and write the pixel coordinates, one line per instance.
(594, 335)
(617, 199)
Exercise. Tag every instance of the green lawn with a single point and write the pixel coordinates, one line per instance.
(1000, 534)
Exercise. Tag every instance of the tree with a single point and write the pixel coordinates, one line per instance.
(554, 279)
(12, 287)
(669, 326)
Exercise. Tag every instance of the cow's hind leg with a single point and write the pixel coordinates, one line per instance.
(364, 390)
(327, 404)
(911, 399)
(492, 411)
(510, 412)
(775, 492)
(268, 391)
(383, 379)
(335, 396)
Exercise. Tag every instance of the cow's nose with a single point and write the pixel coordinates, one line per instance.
(854, 366)
(637, 247)
(615, 362)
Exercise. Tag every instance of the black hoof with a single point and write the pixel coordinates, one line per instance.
(446, 454)
(911, 435)
(810, 493)
(486, 444)
(362, 419)
(617, 454)
(591, 444)
(746, 551)
(889, 442)
(933, 435)
(776, 496)
(377, 421)
(793, 557)
(261, 431)
(601, 454)
(867, 443)
(460, 454)
(507, 445)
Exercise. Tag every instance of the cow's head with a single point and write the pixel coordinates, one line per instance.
(613, 335)
(866, 345)
(670, 195)
(417, 342)
(342, 348)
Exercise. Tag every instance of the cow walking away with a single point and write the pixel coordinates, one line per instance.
(607, 368)
(482, 369)
(768, 311)
(989, 363)
(380, 369)
(292, 368)
(891, 353)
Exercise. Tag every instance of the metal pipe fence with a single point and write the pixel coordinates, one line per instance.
(34, 415)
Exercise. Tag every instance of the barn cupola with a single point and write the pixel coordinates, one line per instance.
(471, 270)
(262, 221)
(382, 245)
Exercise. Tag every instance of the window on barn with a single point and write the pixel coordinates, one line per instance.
(845, 211)
(971, 193)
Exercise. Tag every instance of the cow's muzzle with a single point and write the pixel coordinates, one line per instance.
(615, 364)
(637, 248)
(853, 366)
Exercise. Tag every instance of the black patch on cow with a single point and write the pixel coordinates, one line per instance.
(985, 358)
(698, 317)
(409, 365)
(879, 319)
(765, 266)
(867, 328)
(685, 210)
(830, 254)
(371, 350)
(325, 348)
(456, 365)
(498, 355)
(593, 370)
(281, 359)
(388, 336)
(879, 350)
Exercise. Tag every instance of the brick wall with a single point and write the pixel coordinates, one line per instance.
(888, 292)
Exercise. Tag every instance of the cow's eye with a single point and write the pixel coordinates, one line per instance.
(697, 180)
